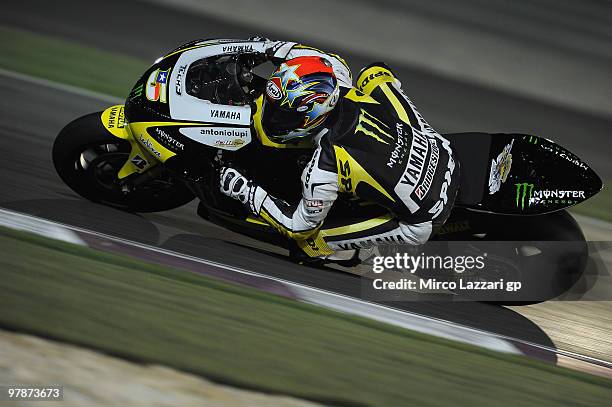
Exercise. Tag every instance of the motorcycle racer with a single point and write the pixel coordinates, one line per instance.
(372, 145)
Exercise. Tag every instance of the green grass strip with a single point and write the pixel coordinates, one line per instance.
(251, 339)
(69, 63)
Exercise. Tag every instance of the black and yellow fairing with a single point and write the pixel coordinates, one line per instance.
(146, 152)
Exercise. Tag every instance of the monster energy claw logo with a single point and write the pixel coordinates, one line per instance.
(373, 127)
(523, 190)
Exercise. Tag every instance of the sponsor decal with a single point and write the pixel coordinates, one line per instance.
(566, 155)
(116, 118)
(178, 84)
(224, 132)
(545, 196)
(414, 169)
(527, 195)
(421, 190)
(147, 143)
(372, 241)
(137, 91)
(399, 150)
(139, 162)
(314, 203)
(273, 91)
(573, 159)
(450, 168)
(168, 140)
(500, 168)
(373, 127)
(238, 48)
(224, 114)
(226, 138)
(229, 143)
(157, 86)
(416, 160)
(367, 79)
(523, 190)
(314, 206)
(310, 167)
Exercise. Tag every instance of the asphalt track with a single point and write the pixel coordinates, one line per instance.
(33, 114)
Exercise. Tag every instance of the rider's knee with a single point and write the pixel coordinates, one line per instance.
(416, 234)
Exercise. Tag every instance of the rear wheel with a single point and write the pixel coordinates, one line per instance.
(546, 253)
(88, 158)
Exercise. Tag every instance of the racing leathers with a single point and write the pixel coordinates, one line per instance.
(376, 150)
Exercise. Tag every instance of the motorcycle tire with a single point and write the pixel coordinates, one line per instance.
(87, 158)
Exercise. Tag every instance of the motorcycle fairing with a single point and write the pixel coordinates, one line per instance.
(519, 174)
(139, 160)
(149, 140)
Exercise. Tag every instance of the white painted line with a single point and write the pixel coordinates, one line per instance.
(60, 86)
(15, 220)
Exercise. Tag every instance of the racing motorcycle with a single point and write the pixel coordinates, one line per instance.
(192, 111)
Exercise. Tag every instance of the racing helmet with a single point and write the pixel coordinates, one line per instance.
(300, 95)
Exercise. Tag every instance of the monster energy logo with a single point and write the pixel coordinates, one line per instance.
(371, 126)
(523, 190)
(531, 139)
(138, 90)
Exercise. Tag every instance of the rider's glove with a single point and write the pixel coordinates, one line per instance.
(235, 185)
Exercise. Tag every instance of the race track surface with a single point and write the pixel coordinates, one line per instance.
(33, 114)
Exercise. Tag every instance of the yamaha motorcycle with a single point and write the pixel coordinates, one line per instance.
(198, 107)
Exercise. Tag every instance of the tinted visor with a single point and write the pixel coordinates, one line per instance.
(277, 121)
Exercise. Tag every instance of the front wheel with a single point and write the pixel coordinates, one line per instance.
(88, 158)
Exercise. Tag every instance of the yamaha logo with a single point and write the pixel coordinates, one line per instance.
(273, 91)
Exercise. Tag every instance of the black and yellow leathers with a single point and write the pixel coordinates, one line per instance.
(378, 149)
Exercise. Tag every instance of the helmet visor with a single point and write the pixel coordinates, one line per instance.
(278, 122)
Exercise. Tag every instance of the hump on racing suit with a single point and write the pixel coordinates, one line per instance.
(379, 149)
(401, 162)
